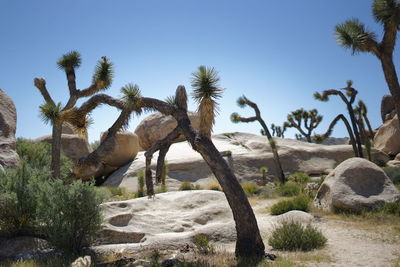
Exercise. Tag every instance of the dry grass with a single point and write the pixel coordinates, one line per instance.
(213, 185)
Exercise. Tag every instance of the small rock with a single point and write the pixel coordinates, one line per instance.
(170, 263)
(85, 261)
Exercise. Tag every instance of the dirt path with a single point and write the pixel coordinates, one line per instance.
(350, 243)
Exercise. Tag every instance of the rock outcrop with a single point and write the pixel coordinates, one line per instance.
(387, 108)
(72, 145)
(387, 138)
(157, 126)
(355, 185)
(8, 125)
(125, 150)
(175, 218)
(246, 153)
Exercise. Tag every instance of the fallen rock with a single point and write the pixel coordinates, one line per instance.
(247, 154)
(157, 126)
(355, 185)
(387, 138)
(125, 150)
(8, 125)
(85, 261)
(296, 216)
(72, 145)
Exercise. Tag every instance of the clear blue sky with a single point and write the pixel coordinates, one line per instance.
(277, 53)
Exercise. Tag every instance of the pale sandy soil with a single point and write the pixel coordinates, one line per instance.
(350, 243)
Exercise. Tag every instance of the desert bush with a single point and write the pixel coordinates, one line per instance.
(294, 236)
(250, 188)
(203, 245)
(391, 208)
(299, 177)
(69, 215)
(116, 193)
(393, 173)
(186, 186)
(289, 189)
(213, 184)
(300, 202)
(38, 156)
(18, 189)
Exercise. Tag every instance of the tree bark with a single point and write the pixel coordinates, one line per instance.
(355, 129)
(391, 78)
(56, 150)
(249, 242)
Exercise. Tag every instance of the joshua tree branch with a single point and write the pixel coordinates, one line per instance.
(40, 84)
(162, 145)
(97, 100)
(249, 119)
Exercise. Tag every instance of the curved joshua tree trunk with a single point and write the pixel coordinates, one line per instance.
(392, 80)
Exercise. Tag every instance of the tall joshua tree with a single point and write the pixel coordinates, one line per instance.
(351, 94)
(249, 242)
(310, 119)
(235, 118)
(353, 34)
(56, 114)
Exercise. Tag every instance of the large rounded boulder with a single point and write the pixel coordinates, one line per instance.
(387, 138)
(157, 126)
(355, 185)
(8, 125)
(72, 145)
(125, 149)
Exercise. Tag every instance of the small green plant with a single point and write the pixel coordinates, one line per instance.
(38, 156)
(264, 171)
(117, 193)
(203, 245)
(300, 202)
(299, 177)
(250, 188)
(186, 186)
(391, 208)
(213, 184)
(69, 215)
(18, 189)
(293, 236)
(164, 177)
(289, 189)
(140, 176)
(393, 173)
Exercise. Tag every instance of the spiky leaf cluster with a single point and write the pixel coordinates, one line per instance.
(70, 60)
(352, 34)
(205, 83)
(103, 74)
(386, 11)
(170, 100)
(321, 97)
(50, 113)
(241, 101)
(131, 96)
(235, 117)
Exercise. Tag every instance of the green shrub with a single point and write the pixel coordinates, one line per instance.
(69, 215)
(186, 186)
(38, 156)
(116, 193)
(203, 245)
(18, 189)
(391, 208)
(289, 189)
(250, 188)
(294, 236)
(299, 177)
(300, 202)
(393, 173)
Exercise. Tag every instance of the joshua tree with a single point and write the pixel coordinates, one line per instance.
(318, 138)
(278, 130)
(351, 93)
(264, 171)
(353, 34)
(235, 118)
(311, 121)
(365, 135)
(56, 114)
